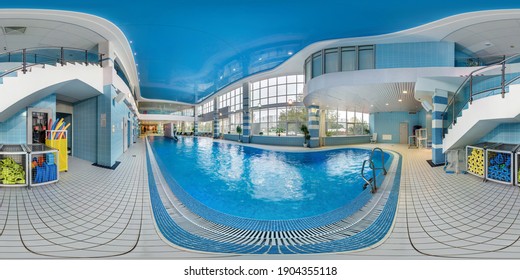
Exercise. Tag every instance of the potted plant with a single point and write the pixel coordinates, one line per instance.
(279, 130)
(306, 135)
(239, 131)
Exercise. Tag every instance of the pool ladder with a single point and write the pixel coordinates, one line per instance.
(372, 181)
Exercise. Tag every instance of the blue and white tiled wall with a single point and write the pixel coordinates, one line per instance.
(421, 54)
(120, 113)
(85, 129)
(440, 101)
(388, 123)
(14, 129)
(508, 133)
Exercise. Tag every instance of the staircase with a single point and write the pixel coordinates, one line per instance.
(76, 80)
(481, 117)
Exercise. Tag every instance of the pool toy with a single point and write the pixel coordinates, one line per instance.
(11, 173)
(476, 162)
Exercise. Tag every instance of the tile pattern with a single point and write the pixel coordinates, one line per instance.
(359, 230)
(439, 215)
(91, 213)
(420, 54)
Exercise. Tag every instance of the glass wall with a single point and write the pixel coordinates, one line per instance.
(276, 106)
(341, 123)
(339, 59)
(231, 100)
(206, 127)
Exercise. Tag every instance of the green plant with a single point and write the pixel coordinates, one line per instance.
(306, 133)
(279, 130)
(328, 133)
(239, 131)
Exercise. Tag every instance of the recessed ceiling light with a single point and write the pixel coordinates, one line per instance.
(400, 100)
(405, 91)
(371, 105)
(386, 104)
(488, 44)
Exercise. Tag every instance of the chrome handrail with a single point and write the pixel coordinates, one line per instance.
(469, 78)
(369, 181)
(382, 159)
(373, 181)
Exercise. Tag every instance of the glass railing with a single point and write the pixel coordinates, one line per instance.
(486, 81)
(48, 55)
(466, 61)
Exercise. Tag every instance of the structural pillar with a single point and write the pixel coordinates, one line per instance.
(314, 125)
(440, 101)
(246, 127)
(215, 119)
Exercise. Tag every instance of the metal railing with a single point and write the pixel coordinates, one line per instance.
(372, 182)
(485, 81)
(29, 57)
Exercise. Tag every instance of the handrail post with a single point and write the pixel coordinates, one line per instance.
(101, 60)
(86, 57)
(62, 56)
(9, 57)
(470, 90)
(503, 82)
(24, 61)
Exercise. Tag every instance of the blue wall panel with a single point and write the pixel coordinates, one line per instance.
(388, 123)
(421, 54)
(277, 140)
(119, 113)
(346, 140)
(505, 133)
(85, 129)
(14, 129)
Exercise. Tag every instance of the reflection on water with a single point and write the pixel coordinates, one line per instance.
(260, 184)
(274, 179)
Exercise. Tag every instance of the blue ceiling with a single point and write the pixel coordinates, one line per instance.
(189, 49)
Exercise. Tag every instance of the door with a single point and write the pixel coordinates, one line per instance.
(125, 136)
(37, 121)
(403, 133)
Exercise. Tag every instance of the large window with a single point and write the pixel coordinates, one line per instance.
(208, 107)
(340, 123)
(339, 59)
(206, 126)
(276, 106)
(232, 99)
(280, 90)
(281, 121)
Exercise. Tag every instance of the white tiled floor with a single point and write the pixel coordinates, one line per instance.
(99, 213)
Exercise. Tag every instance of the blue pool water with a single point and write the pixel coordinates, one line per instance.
(260, 184)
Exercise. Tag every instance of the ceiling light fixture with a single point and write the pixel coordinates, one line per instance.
(371, 105)
(386, 104)
(405, 91)
(400, 100)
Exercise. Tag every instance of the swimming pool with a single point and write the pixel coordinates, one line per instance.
(251, 183)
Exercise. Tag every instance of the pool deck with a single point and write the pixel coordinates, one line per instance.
(99, 213)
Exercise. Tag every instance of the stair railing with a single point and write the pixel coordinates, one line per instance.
(372, 182)
(465, 93)
(29, 57)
